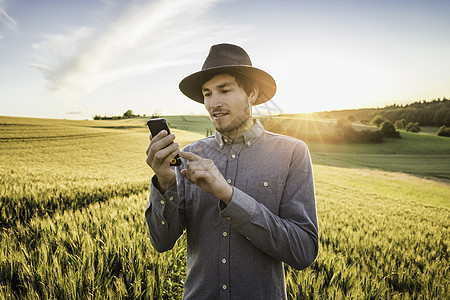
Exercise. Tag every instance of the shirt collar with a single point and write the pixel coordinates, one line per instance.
(248, 137)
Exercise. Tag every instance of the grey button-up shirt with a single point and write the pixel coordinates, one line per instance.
(237, 251)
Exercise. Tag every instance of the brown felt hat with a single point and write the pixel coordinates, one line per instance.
(223, 58)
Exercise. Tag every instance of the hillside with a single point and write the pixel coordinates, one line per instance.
(420, 154)
(426, 113)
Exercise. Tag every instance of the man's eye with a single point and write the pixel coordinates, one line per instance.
(225, 91)
(206, 94)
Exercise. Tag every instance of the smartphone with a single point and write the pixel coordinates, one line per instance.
(155, 126)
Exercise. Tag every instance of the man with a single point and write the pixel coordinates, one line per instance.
(245, 196)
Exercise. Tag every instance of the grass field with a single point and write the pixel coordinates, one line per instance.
(421, 154)
(72, 225)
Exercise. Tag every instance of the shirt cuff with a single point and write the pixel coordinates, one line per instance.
(241, 210)
(159, 200)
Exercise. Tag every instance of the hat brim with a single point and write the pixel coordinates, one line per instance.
(191, 86)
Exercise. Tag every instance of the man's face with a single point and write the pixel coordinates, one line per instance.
(228, 105)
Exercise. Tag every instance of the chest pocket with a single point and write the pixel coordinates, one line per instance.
(266, 189)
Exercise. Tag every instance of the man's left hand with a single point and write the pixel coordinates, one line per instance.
(204, 173)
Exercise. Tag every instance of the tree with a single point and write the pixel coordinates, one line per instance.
(413, 127)
(442, 117)
(155, 115)
(377, 120)
(389, 130)
(400, 124)
(128, 114)
(444, 131)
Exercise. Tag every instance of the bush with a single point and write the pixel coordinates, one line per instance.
(350, 135)
(400, 124)
(389, 130)
(370, 136)
(413, 127)
(377, 120)
(444, 131)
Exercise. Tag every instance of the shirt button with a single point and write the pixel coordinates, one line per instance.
(249, 143)
(233, 156)
(229, 180)
(221, 144)
(162, 202)
(225, 233)
(225, 140)
(224, 287)
(247, 238)
(266, 183)
(224, 261)
(171, 198)
(163, 222)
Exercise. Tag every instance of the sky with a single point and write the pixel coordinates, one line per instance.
(74, 59)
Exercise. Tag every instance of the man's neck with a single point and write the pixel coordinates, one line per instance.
(235, 134)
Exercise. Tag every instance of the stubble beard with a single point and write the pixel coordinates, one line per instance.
(238, 126)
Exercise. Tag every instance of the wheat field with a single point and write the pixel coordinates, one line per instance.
(73, 195)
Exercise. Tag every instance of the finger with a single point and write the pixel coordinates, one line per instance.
(155, 143)
(190, 156)
(148, 148)
(157, 152)
(159, 136)
(166, 154)
(159, 143)
(195, 176)
(168, 159)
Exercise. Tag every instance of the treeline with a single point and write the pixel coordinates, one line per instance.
(434, 113)
(424, 113)
(128, 114)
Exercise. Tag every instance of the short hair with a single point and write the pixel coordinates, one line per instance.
(242, 80)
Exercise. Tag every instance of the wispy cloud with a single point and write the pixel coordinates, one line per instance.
(144, 38)
(5, 18)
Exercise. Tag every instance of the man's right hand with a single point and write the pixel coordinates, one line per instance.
(159, 157)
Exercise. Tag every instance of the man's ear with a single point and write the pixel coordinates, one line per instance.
(254, 94)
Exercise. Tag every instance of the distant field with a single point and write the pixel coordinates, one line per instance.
(199, 124)
(73, 195)
(62, 164)
(193, 123)
(415, 153)
(418, 154)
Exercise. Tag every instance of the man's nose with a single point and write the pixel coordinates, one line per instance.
(215, 101)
